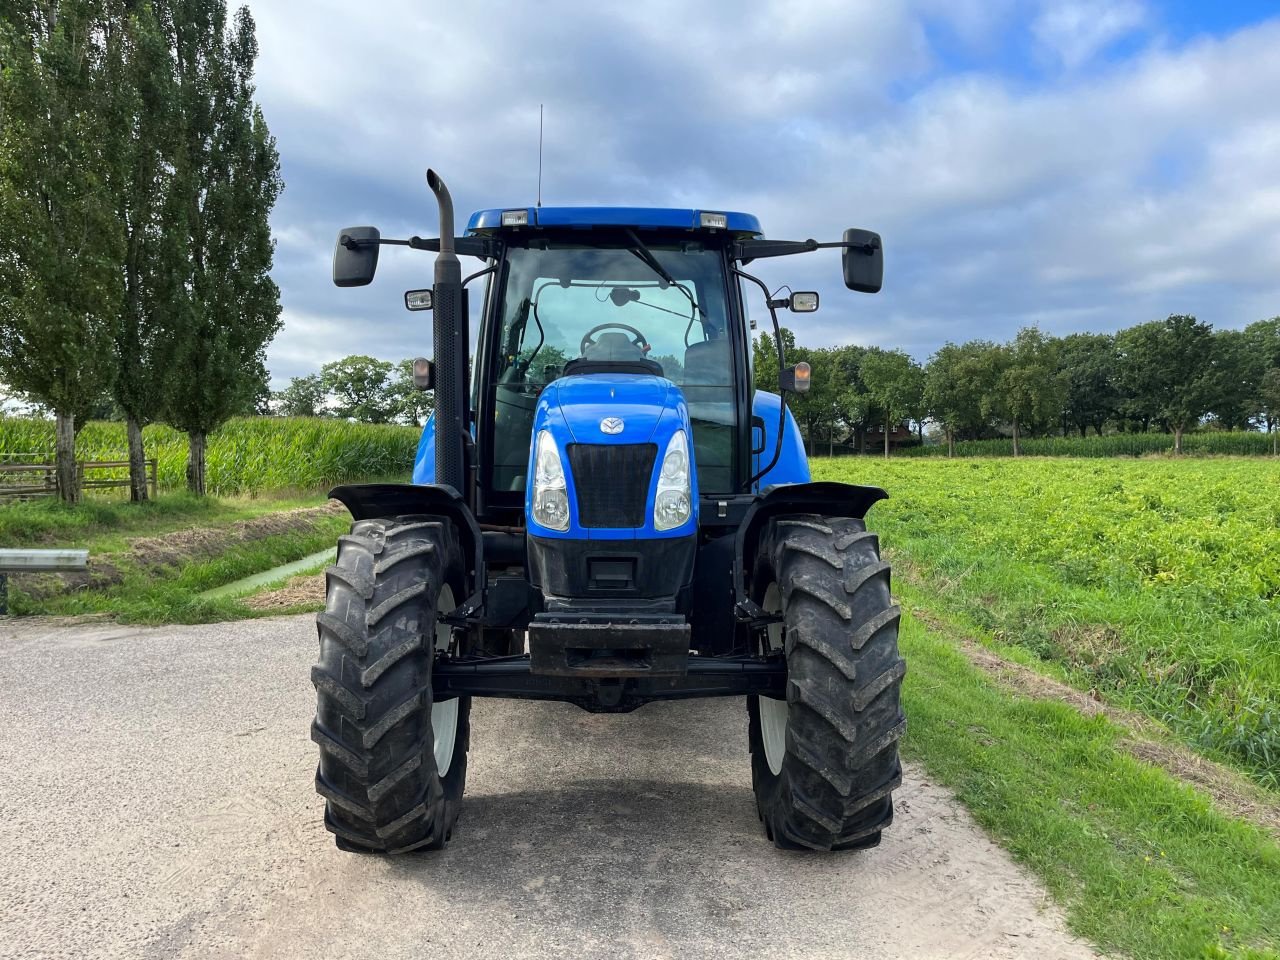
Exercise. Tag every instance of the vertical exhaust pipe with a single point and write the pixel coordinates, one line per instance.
(450, 323)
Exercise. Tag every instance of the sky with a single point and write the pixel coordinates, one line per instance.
(1070, 164)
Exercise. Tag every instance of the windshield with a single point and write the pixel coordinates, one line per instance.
(564, 302)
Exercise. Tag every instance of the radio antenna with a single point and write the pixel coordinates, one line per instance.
(539, 155)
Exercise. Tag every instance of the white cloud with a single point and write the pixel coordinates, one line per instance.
(1074, 31)
(1137, 188)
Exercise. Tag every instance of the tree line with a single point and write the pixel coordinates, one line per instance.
(1171, 375)
(356, 388)
(137, 175)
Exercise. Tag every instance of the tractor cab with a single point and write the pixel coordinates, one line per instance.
(605, 511)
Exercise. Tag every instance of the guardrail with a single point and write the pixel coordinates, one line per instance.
(23, 481)
(36, 561)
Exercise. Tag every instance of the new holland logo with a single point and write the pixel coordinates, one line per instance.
(611, 425)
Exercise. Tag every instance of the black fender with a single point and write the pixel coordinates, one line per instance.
(372, 501)
(825, 498)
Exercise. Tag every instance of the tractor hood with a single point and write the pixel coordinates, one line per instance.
(587, 401)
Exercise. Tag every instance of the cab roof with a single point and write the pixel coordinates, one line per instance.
(583, 218)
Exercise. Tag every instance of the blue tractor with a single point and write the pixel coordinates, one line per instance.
(605, 511)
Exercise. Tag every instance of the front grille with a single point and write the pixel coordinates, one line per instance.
(612, 482)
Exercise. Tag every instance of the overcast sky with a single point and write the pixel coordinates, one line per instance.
(1078, 165)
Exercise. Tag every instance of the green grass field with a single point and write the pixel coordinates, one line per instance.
(1154, 582)
(245, 456)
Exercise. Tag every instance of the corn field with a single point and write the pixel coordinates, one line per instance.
(246, 455)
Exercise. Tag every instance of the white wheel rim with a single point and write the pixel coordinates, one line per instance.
(773, 713)
(444, 716)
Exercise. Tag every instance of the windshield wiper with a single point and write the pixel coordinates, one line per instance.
(645, 255)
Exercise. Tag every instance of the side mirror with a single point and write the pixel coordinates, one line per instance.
(804, 302)
(355, 256)
(424, 374)
(419, 299)
(863, 261)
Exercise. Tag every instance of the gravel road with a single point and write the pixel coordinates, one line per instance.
(156, 801)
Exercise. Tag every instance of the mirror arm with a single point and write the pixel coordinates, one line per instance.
(482, 248)
(745, 251)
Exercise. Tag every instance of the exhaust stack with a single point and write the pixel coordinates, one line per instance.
(450, 323)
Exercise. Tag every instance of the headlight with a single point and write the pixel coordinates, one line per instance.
(673, 505)
(550, 498)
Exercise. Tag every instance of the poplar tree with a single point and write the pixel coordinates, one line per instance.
(60, 239)
(227, 179)
(154, 266)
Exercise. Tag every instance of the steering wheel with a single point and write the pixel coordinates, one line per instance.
(637, 337)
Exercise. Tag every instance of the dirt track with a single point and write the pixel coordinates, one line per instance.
(156, 801)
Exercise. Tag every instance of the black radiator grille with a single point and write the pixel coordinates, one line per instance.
(612, 482)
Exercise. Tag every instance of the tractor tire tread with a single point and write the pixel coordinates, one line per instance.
(834, 790)
(377, 770)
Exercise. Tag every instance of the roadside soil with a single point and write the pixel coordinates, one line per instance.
(306, 588)
(173, 550)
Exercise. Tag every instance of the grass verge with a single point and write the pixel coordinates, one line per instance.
(1143, 864)
(149, 562)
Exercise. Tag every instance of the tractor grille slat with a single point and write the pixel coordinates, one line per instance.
(612, 482)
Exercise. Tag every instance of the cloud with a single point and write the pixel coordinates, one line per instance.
(1084, 199)
(1075, 31)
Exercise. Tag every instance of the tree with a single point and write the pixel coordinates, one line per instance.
(1269, 392)
(303, 397)
(60, 241)
(853, 404)
(361, 388)
(895, 382)
(1264, 336)
(1030, 381)
(411, 405)
(1234, 377)
(227, 176)
(1087, 363)
(145, 104)
(1166, 368)
(764, 356)
(955, 385)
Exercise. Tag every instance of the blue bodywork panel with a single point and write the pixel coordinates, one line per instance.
(652, 410)
(793, 464)
(424, 464)
(584, 217)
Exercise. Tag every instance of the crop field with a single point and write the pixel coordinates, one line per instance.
(248, 455)
(1209, 443)
(1155, 583)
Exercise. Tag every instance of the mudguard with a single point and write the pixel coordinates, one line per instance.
(368, 501)
(824, 497)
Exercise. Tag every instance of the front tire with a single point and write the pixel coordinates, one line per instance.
(393, 763)
(824, 762)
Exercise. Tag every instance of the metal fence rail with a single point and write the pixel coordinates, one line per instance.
(22, 560)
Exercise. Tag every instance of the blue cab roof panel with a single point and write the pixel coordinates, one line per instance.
(586, 217)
